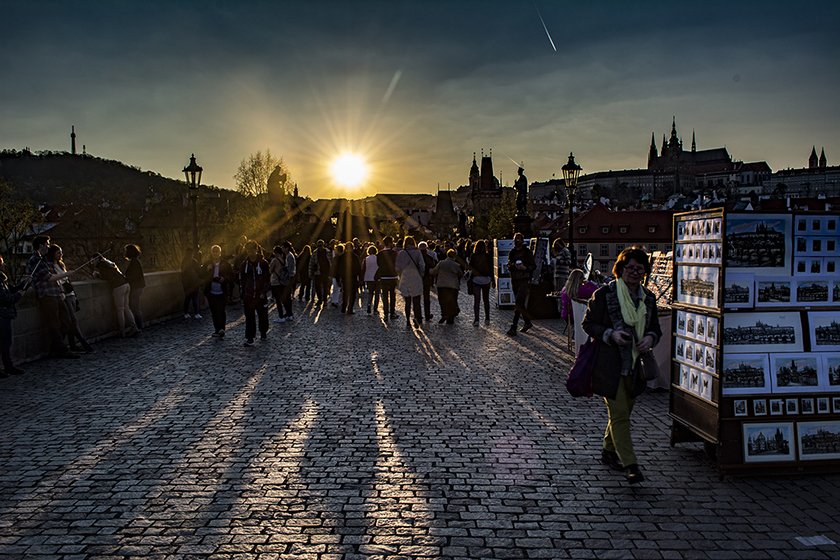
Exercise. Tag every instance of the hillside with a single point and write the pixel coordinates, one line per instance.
(61, 178)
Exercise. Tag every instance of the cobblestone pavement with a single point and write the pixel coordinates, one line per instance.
(342, 437)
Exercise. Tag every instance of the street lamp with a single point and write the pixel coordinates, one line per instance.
(571, 172)
(193, 174)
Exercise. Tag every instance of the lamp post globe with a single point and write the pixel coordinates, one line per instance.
(571, 173)
(192, 172)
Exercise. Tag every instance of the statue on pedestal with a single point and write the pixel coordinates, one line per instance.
(521, 186)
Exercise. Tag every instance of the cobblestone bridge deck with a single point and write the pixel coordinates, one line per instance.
(343, 437)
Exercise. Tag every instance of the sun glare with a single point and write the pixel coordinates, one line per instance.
(349, 170)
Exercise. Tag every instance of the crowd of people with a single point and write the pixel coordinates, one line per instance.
(620, 316)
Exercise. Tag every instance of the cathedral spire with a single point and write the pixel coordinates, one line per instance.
(693, 142)
(823, 161)
(812, 159)
(73, 140)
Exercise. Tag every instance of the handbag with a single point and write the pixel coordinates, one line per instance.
(648, 366)
(579, 382)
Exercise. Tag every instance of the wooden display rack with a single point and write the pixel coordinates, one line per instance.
(755, 354)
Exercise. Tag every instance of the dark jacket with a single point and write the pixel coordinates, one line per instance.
(134, 274)
(349, 269)
(603, 315)
(254, 279)
(386, 260)
(9, 296)
(303, 266)
(319, 263)
(481, 265)
(525, 255)
(110, 272)
(225, 278)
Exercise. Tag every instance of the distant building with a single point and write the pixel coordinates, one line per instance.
(444, 220)
(818, 179)
(485, 188)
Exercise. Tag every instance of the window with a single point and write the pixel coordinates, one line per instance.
(654, 247)
(582, 229)
(581, 248)
(618, 249)
(651, 229)
(605, 250)
(623, 229)
(605, 229)
(604, 266)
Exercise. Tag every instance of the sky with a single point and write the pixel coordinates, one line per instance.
(416, 87)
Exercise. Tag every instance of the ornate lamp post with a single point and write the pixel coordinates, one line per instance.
(193, 174)
(571, 172)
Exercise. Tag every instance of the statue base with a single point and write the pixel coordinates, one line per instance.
(522, 224)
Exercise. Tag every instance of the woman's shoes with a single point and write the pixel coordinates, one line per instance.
(633, 474)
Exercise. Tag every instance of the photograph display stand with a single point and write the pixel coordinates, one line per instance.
(755, 371)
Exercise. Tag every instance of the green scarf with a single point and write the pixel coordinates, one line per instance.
(633, 315)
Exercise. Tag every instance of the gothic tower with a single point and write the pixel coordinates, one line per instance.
(652, 152)
(812, 159)
(73, 140)
(823, 161)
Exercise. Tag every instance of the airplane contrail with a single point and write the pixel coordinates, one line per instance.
(547, 34)
(392, 86)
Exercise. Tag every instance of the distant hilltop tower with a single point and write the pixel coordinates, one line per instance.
(73, 140)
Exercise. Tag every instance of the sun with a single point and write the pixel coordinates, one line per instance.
(349, 170)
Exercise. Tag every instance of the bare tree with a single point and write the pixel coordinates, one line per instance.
(16, 219)
(252, 176)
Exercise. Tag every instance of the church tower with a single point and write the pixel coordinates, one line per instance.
(693, 142)
(652, 152)
(823, 161)
(475, 178)
(73, 140)
(812, 159)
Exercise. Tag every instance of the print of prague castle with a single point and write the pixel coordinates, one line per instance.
(763, 247)
(828, 335)
(697, 287)
(760, 333)
(743, 375)
(762, 445)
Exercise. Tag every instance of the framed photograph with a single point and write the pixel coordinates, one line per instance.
(699, 354)
(691, 324)
(681, 318)
(681, 230)
(698, 285)
(835, 404)
(773, 291)
(739, 407)
(694, 381)
(800, 245)
(706, 386)
(764, 443)
(738, 291)
(831, 224)
(760, 243)
(763, 332)
(830, 371)
(835, 291)
(711, 330)
(685, 373)
(800, 266)
(829, 246)
(823, 406)
(812, 291)
(794, 373)
(815, 265)
(689, 352)
(806, 406)
(815, 246)
(710, 359)
(819, 440)
(679, 349)
(815, 225)
(831, 265)
(700, 327)
(760, 407)
(792, 406)
(745, 374)
(824, 329)
(777, 407)
(801, 224)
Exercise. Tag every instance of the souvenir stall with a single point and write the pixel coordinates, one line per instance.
(659, 282)
(504, 289)
(756, 339)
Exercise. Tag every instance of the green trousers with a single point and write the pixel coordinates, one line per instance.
(617, 435)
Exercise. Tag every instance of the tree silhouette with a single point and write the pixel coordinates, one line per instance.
(252, 175)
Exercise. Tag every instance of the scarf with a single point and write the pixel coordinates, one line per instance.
(634, 315)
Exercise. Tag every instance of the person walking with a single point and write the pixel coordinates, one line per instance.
(287, 279)
(562, 262)
(621, 318)
(576, 288)
(370, 267)
(72, 330)
(111, 273)
(521, 265)
(350, 270)
(386, 261)
(447, 275)
(9, 296)
(430, 261)
(136, 282)
(410, 266)
(190, 281)
(276, 267)
(219, 275)
(305, 280)
(481, 276)
(255, 283)
(319, 270)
